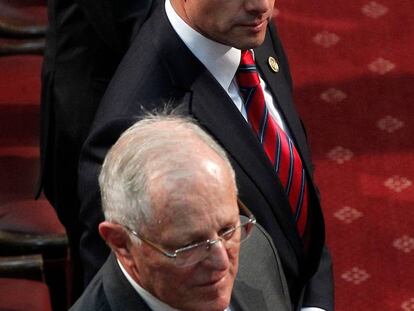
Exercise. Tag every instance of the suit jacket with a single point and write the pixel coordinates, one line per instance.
(167, 71)
(260, 283)
(85, 42)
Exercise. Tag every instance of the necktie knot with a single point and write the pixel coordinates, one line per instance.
(246, 76)
(247, 59)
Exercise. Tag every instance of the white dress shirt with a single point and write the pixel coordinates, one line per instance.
(222, 61)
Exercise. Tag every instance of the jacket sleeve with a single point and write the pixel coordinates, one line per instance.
(116, 22)
(319, 291)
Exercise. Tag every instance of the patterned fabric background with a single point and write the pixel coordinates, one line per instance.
(353, 69)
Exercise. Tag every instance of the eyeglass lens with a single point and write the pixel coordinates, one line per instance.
(229, 239)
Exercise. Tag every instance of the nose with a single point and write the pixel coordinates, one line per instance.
(258, 6)
(218, 257)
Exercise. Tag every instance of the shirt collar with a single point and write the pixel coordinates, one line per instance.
(221, 60)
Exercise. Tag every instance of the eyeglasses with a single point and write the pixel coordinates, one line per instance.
(194, 253)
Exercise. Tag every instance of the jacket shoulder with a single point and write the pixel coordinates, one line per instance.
(94, 298)
(260, 268)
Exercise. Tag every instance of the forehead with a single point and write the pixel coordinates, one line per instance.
(194, 200)
(198, 215)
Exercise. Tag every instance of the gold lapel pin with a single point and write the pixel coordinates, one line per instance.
(273, 64)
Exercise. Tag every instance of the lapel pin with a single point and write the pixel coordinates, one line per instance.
(273, 64)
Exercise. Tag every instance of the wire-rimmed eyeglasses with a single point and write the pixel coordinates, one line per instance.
(194, 253)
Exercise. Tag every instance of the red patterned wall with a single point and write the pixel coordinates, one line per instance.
(353, 68)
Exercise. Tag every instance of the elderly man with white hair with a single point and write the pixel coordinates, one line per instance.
(175, 227)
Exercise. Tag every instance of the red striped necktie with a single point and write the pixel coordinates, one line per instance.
(277, 145)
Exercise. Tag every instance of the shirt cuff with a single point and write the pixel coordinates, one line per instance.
(312, 309)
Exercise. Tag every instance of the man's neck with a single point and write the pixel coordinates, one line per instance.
(153, 302)
(221, 60)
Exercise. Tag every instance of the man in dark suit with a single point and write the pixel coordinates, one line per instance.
(85, 42)
(175, 227)
(191, 57)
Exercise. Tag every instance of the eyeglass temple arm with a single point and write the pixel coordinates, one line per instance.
(244, 210)
(153, 245)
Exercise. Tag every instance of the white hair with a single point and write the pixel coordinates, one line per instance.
(151, 145)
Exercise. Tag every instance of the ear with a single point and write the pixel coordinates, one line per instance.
(117, 238)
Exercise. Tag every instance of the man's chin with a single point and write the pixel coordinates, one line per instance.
(250, 42)
(218, 301)
(218, 304)
(212, 299)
